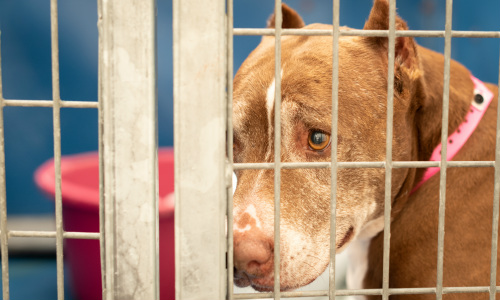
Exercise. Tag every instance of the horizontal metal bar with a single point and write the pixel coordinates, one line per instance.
(367, 292)
(358, 32)
(283, 295)
(355, 165)
(52, 234)
(259, 166)
(466, 289)
(82, 235)
(25, 233)
(470, 164)
(50, 103)
(308, 165)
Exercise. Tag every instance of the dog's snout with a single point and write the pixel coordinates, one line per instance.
(250, 255)
(253, 253)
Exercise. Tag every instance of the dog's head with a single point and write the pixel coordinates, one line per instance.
(306, 89)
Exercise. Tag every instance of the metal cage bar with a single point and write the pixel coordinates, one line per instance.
(362, 164)
(56, 108)
(100, 117)
(496, 208)
(229, 150)
(361, 32)
(388, 151)
(53, 234)
(369, 292)
(200, 114)
(50, 103)
(4, 249)
(278, 19)
(334, 135)
(127, 70)
(444, 143)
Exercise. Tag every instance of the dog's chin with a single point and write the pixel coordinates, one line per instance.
(242, 282)
(269, 288)
(264, 284)
(263, 288)
(258, 284)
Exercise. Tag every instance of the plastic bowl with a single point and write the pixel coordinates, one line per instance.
(80, 193)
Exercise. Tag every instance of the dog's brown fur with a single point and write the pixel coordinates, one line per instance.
(306, 105)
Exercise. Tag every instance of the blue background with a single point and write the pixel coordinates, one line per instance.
(26, 73)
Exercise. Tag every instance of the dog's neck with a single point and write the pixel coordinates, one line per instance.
(429, 116)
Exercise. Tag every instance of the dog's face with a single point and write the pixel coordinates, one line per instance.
(306, 89)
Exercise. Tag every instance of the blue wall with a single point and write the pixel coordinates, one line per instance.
(26, 68)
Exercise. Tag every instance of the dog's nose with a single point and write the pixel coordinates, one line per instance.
(253, 254)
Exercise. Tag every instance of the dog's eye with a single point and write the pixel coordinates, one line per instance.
(318, 140)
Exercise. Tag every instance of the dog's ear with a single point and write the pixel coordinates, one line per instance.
(291, 19)
(405, 48)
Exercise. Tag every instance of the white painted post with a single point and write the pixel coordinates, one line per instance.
(129, 163)
(199, 121)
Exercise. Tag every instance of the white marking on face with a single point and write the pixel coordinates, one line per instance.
(235, 182)
(244, 229)
(271, 90)
(270, 99)
(252, 213)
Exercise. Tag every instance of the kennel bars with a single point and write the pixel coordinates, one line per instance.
(128, 148)
(388, 164)
(202, 224)
(201, 177)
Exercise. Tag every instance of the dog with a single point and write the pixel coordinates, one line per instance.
(306, 89)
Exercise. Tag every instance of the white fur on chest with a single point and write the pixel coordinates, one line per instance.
(358, 255)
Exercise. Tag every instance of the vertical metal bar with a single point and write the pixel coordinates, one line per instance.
(56, 97)
(229, 138)
(334, 135)
(388, 152)
(496, 203)
(444, 143)
(4, 236)
(199, 28)
(102, 244)
(129, 111)
(277, 145)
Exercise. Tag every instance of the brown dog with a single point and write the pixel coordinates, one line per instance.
(306, 126)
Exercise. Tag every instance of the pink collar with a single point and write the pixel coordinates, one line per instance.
(480, 102)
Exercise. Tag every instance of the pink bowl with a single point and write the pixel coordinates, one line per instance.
(80, 193)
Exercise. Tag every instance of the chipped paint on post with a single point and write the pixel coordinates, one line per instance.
(128, 104)
(199, 139)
